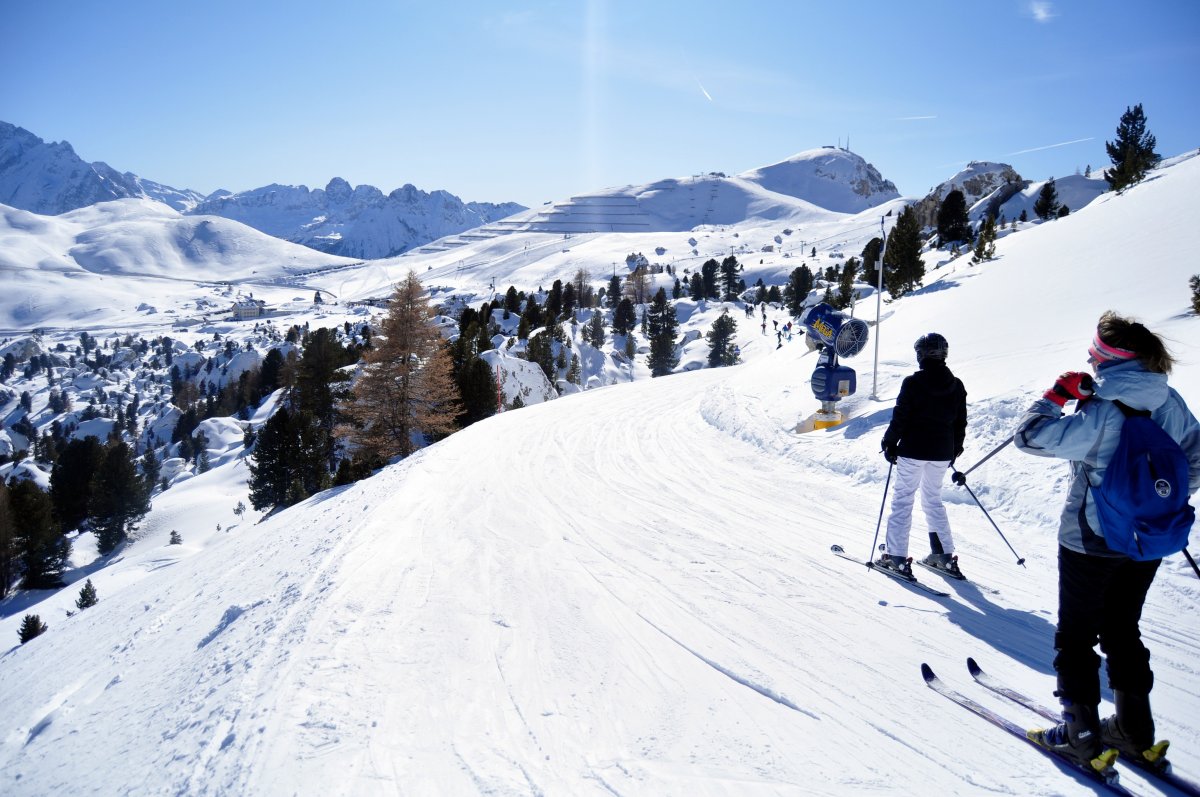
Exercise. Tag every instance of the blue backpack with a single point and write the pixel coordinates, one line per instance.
(1142, 502)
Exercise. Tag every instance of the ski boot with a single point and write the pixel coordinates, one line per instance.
(899, 564)
(943, 561)
(1131, 731)
(1078, 738)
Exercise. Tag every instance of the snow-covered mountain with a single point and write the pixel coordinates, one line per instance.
(1075, 191)
(100, 263)
(360, 222)
(627, 591)
(829, 177)
(49, 178)
(363, 222)
(985, 187)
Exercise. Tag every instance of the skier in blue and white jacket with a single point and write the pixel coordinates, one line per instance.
(1101, 592)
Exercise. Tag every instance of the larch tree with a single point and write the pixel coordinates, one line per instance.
(406, 392)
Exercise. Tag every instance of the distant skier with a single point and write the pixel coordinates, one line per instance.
(929, 425)
(1101, 592)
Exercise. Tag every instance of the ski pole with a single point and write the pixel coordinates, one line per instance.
(878, 523)
(1192, 562)
(1020, 559)
(961, 477)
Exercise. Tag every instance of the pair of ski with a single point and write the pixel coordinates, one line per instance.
(1105, 774)
(910, 580)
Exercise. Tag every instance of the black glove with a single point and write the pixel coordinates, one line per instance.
(889, 452)
(959, 478)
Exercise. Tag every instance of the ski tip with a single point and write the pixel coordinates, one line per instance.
(973, 667)
(837, 549)
(927, 672)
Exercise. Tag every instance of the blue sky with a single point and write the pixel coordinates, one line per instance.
(534, 101)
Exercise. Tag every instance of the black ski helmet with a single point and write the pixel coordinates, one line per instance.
(931, 345)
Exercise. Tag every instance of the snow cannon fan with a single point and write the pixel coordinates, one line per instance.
(833, 334)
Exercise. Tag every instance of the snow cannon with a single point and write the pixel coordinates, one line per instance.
(834, 330)
(834, 334)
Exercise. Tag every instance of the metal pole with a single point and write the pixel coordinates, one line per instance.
(878, 305)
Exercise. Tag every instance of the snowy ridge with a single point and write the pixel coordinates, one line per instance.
(359, 222)
(49, 178)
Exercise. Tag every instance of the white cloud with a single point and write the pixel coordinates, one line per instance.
(1042, 11)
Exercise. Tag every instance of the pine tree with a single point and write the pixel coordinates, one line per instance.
(624, 317)
(1132, 153)
(9, 550)
(512, 300)
(554, 301)
(1063, 210)
(952, 221)
(1194, 284)
(696, 287)
(720, 341)
(119, 500)
(730, 268)
(477, 387)
(845, 295)
(870, 261)
(595, 328)
(42, 548)
(904, 269)
(575, 372)
(800, 283)
(1046, 206)
(275, 448)
(708, 275)
(985, 245)
(31, 626)
(541, 351)
(661, 327)
(406, 391)
(175, 538)
(72, 480)
(87, 596)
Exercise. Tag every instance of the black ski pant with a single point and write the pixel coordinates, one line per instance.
(1100, 598)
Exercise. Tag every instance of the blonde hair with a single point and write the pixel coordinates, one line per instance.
(1125, 333)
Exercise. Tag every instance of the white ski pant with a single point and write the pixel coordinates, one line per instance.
(909, 476)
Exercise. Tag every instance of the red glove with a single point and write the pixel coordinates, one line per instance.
(1071, 385)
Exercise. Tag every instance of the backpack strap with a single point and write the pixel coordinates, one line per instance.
(1130, 412)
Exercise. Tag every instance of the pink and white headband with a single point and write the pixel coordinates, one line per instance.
(1102, 352)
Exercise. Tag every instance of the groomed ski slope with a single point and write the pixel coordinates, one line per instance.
(630, 591)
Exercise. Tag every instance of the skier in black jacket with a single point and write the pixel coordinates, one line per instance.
(925, 436)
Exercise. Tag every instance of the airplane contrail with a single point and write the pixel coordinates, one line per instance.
(1050, 146)
(704, 90)
(913, 118)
